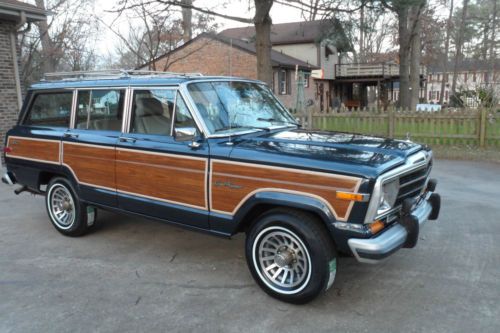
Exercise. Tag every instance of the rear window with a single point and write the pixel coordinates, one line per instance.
(50, 109)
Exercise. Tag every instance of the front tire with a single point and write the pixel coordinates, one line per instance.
(67, 214)
(290, 255)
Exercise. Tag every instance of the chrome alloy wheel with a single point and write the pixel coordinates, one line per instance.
(61, 206)
(281, 260)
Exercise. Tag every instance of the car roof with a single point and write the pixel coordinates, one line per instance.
(132, 81)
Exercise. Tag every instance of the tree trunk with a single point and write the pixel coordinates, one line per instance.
(460, 41)
(415, 57)
(404, 53)
(263, 22)
(445, 56)
(361, 33)
(187, 27)
(492, 42)
(49, 61)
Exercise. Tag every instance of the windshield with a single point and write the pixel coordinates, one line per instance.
(234, 106)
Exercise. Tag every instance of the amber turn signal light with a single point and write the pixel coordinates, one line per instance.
(376, 226)
(351, 196)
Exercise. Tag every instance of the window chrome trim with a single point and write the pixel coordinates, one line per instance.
(126, 111)
(72, 120)
(412, 163)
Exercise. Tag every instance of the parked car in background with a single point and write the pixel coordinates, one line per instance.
(428, 107)
(220, 155)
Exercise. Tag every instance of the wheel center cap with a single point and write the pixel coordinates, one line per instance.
(284, 258)
(66, 206)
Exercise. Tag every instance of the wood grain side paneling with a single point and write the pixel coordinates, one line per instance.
(32, 149)
(246, 179)
(91, 165)
(170, 178)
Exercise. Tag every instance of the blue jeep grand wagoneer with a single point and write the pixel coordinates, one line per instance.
(220, 155)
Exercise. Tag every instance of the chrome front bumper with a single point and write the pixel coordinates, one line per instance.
(373, 250)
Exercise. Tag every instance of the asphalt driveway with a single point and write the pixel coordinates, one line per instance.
(138, 275)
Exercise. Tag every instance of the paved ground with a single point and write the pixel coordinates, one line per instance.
(138, 275)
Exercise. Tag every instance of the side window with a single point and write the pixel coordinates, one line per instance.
(183, 117)
(152, 111)
(50, 109)
(100, 109)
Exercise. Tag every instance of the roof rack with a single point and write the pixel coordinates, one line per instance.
(111, 74)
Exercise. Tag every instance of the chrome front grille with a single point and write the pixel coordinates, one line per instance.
(413, 183)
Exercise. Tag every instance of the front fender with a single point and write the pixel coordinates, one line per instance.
(231, 224)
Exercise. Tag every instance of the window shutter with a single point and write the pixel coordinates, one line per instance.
(288, 83)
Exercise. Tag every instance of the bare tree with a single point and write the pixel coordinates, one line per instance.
(459, 45)
(409, 14)
(444, 79)
(187, 14)
(65, 42)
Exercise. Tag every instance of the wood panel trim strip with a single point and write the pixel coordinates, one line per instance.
(272, 189)
(9, 155)
(73, 172)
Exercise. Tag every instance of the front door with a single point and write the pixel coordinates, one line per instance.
(89, 147)
(159, 171)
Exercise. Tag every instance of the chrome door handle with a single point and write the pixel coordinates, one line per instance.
(71, 135)
(194, 145)
(125, 139)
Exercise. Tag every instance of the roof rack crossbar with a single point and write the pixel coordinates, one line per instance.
(111, 74)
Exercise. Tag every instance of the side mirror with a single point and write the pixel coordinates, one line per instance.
(185, 133)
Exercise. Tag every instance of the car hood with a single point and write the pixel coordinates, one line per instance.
(347, 153)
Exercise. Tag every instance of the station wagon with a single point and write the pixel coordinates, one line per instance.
(220, 155)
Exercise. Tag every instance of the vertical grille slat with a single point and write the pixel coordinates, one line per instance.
(412, 184)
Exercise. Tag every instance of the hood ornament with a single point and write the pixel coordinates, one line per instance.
(408, 138)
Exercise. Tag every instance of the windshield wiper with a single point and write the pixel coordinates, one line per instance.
(273, 120)
(225, 128)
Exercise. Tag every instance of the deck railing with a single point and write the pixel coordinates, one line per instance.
(370, 70)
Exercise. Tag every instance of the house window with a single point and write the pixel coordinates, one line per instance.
(306, 80)
(446, 95)
(473, 77)
(438, 77)
(283, 82)
(465, 77)
(430, 94)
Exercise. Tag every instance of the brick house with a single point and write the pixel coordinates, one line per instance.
(212, 54)
(14, 15)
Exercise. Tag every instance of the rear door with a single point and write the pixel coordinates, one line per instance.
(89, 147)
(161, 161)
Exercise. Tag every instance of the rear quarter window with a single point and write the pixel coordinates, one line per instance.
(50, 109)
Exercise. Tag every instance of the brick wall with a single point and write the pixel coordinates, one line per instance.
(8, 96)
(212, 57)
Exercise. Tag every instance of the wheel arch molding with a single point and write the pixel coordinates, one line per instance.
(243, 217)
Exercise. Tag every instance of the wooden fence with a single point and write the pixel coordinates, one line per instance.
(472, 127)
